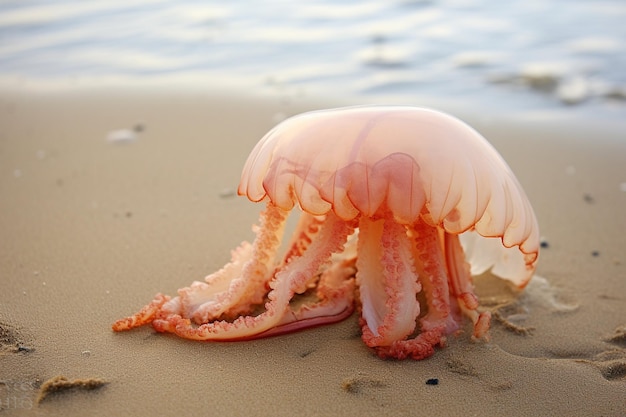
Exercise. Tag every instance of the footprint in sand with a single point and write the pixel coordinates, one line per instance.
(612, 362)
(540, 297)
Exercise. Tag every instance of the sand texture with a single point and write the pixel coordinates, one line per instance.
(94, 223)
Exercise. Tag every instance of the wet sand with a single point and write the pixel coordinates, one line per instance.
(91, 229)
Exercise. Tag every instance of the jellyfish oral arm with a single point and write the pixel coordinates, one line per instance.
(334, 290)
(411, 262)
(387, 282)
(462, 288)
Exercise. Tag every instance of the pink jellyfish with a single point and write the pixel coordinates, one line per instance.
(402, 204)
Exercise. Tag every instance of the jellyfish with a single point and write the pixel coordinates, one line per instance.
(399, 207)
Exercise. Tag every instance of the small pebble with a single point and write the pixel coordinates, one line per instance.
(595, 253)
(432, 381)
(122, 136)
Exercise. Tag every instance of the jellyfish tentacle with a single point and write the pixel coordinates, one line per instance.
(420, 347)
(331, 238)
(233, 290)
(145, 316)
(431, 268)
(335, 295)
(461, 286)
(306, 229)
(334, 286)
(438, 320)
(389, 312)
(241, 284)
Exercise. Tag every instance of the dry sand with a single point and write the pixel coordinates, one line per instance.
(90, 230)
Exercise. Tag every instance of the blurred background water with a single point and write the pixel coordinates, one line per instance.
(526, 54)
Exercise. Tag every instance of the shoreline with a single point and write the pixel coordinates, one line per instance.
(474, 108)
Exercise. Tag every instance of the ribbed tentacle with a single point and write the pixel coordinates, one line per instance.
(335, 301)
(235, 289)
(461, 286)
(306, 229)
(242, 284)
(437, 322)
(145, 316)
(387, 282)
(287, 281)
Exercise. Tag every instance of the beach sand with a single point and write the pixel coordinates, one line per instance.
(91, 229)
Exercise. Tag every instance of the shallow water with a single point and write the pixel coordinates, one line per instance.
(516, 54)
